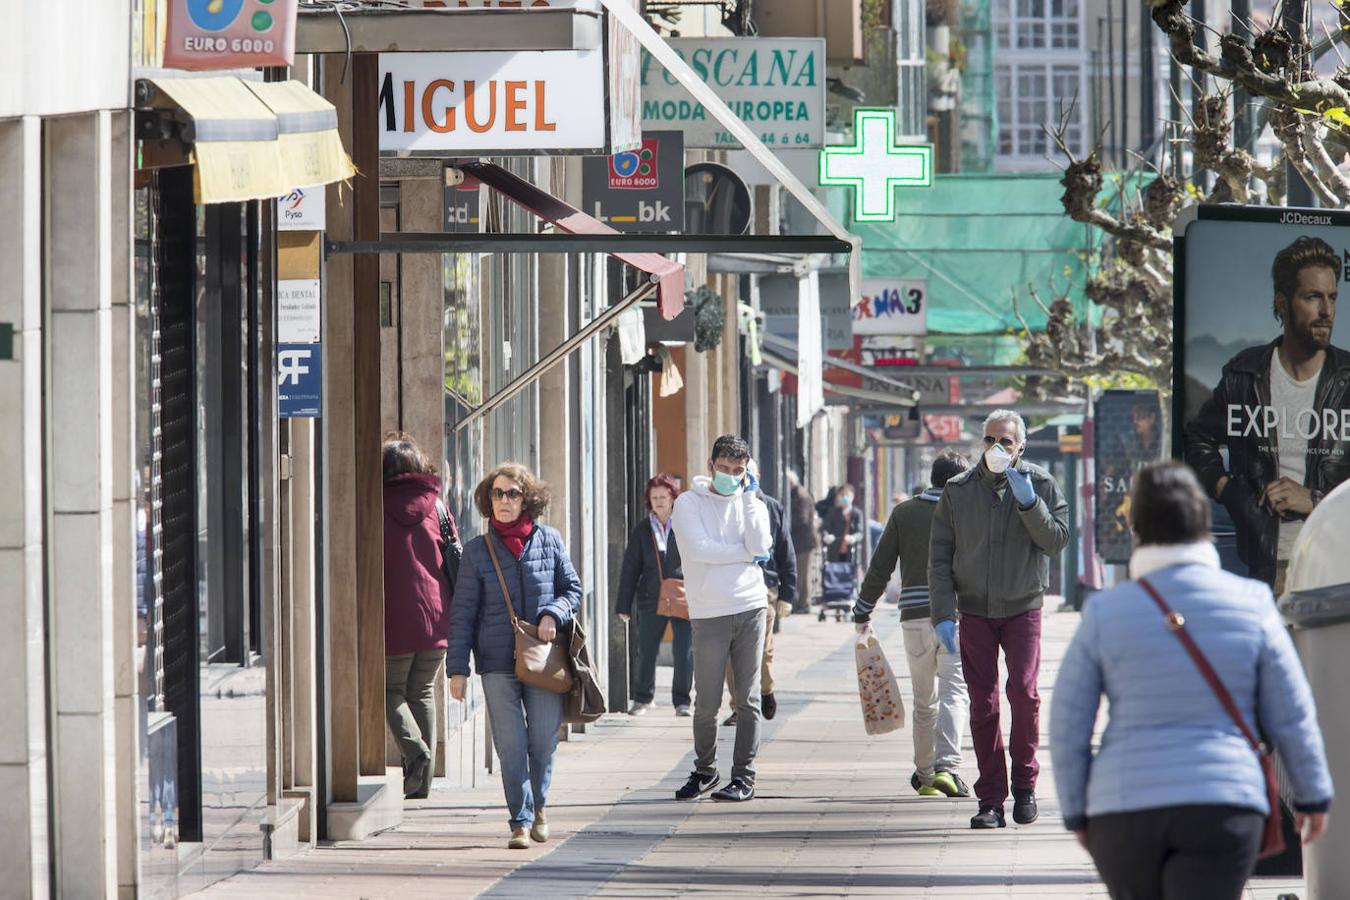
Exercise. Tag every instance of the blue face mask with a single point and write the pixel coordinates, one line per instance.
(725, 484)
(845, 502)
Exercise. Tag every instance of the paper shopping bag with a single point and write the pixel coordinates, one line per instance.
(883, 710)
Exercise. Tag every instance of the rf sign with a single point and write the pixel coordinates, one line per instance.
(299, 381)
(892, 306)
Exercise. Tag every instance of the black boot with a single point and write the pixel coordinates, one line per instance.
(988, 817)
(1024, 806)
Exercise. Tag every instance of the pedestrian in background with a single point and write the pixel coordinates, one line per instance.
(528, 560)
(1173, 804)
(994, 531)
(780, 578)
(723, 530)
(941, 704)
(653, 555)
(805, 534)
(416, 606)
(844, 531)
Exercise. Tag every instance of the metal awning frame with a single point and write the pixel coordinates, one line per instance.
(559, 242)
(560, 352)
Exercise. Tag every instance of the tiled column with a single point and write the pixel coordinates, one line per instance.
(23, 746)
(124, 499)
(81, 595)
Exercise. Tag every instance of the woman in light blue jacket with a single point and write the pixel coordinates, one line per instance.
(1173, 803)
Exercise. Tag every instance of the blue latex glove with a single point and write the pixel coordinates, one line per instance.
(946, 632)
(1021, 488)
(760, 560)
(751, 482)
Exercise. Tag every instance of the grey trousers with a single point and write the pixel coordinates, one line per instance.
(410, 701)
(737, 640)
(941, 705)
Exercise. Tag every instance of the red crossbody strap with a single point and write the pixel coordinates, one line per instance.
(1176, 624)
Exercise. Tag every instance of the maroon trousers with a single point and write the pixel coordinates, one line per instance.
(1020, 639)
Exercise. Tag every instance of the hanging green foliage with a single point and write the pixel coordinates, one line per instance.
(709, 317)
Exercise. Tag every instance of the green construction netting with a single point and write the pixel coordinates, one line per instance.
(975, 238)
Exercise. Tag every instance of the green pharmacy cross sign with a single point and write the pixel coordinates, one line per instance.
(874, 165)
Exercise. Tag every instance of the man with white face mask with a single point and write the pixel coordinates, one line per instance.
(994, 531)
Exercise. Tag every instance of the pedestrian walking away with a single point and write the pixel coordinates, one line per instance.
(538, 582)
(416, 606)
(723, 531)
(941, 705)
(780, 578)
(1175, 802)
(994, 531)
(805, 540)
(652, 556)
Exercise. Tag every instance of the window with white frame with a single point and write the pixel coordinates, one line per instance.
(1033, 97)
(1038, 24)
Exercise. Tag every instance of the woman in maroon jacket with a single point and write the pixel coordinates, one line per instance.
(416, 606)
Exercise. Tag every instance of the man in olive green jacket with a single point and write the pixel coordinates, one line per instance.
(994, 531)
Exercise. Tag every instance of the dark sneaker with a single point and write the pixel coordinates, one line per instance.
(1024, 806)
(738, 791)
(768, 705)
(989, 817)
(951, 784)
(729, 721)
(414, 774)
(697, 786)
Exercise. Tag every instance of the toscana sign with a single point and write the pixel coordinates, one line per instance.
(776, 85)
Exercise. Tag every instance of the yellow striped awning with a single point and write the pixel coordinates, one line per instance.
(257, 140)
(311, 149)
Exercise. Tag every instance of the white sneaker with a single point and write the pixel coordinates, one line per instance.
(638, 709)
(683, 711)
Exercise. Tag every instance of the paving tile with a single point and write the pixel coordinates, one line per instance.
(834, 815)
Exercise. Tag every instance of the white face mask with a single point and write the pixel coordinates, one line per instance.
(997, 459)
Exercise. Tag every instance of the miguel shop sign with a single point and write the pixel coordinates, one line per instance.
(1262, 379)
(229, 34)
(512, 103)
(776, 85)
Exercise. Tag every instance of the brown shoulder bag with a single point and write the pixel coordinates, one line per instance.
(670, 601)
(1272, 839)
(539, 663)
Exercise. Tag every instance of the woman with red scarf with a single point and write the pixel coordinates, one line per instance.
(542, 588)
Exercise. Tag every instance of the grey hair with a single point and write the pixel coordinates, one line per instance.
(1008, 415)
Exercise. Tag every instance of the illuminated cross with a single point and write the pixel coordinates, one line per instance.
(874, 165)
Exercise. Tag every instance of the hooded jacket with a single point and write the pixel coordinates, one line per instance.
(416, 590)
(719, 539)
(987, 556)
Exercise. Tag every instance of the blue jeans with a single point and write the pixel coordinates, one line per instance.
(650, 629)
(525, 723)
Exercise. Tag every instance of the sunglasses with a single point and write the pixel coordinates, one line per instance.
(1007, 443)
(512, 494)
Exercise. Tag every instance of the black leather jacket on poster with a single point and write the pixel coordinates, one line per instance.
(1253, 458)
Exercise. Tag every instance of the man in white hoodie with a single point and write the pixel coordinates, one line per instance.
(723, 531)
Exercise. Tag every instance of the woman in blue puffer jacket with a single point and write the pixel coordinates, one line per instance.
(544, 590)
(1174, 802)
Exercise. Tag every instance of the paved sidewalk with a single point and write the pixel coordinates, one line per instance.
(835, 815)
